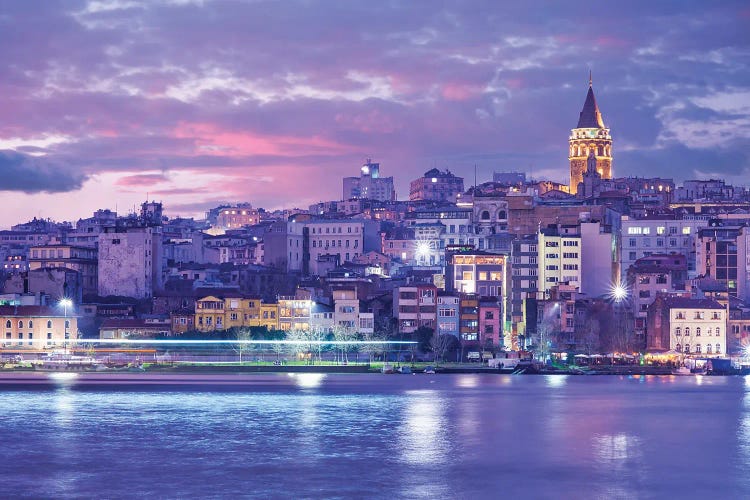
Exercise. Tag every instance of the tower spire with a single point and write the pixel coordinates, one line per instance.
(591, 82)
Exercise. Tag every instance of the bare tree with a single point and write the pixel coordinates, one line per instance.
(441, 344)
(242, 335)
(590, 336)
(373, 349)
(345, 334)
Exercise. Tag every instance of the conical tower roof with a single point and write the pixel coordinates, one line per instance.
(590, 116)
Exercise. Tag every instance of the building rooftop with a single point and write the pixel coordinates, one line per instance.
(590, 116)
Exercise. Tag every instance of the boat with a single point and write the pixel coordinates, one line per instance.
(429, 369)
(387, 368)
(682, 370)
(404, 370)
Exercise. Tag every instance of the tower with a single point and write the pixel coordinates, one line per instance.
(589, 136)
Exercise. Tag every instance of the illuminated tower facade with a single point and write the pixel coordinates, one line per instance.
(589, 136)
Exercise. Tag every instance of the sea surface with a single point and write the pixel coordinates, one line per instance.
(376, 436)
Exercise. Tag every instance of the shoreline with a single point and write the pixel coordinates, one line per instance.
(207, 373)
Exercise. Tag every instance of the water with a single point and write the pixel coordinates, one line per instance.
(373, 436)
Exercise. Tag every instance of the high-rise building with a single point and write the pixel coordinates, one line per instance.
(369, 185)
(590, 135)
(130, 261)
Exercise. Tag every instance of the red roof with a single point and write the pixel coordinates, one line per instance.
(34, 311)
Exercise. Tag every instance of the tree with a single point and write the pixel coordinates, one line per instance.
(242, 335)
(442, 344)
(423, 336)
(373, 349)
(345, 334)
(590, 336)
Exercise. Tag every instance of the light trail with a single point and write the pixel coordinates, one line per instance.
(229, 342)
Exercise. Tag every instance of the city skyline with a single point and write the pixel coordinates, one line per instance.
(196, 103)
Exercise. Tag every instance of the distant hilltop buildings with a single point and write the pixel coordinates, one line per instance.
(601, 265)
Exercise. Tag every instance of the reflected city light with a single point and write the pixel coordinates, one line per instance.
(63, 378)
(467, 381)
(556, 380)
(615, 447)
(422, 434)
(308, 380)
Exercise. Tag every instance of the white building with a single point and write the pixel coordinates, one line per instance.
(343, 238)
(687, 325)
(598, 258)
(559, 258)
(644, 237)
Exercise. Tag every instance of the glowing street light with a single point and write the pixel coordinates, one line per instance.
(65, 303)
(619, 292)
(422, 251)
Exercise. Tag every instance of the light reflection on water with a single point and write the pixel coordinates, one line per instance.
(422, 436)
(341, 436)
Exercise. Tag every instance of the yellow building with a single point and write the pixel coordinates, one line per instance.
(37, 327)
(269, 316)
(216, 314)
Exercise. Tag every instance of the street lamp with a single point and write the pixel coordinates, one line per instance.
(422, 251)
(619, 292)
(65, 303)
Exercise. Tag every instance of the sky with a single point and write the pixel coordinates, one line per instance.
(104, 104)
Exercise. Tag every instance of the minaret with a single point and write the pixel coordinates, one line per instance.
(589, 136)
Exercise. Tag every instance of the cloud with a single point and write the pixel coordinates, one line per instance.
(242, 94)
(31, 174)
(142, 180)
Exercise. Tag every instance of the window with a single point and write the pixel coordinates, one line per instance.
(20, 324)
(49, 335)
(678, 331)
(698, 348)
(698, 332)
(687, 348)
(718, 348)
(678, 347)
(7, 324)
(717, 332)
(687, 330)
(708, 349)
(631, 242)
(67, 324)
